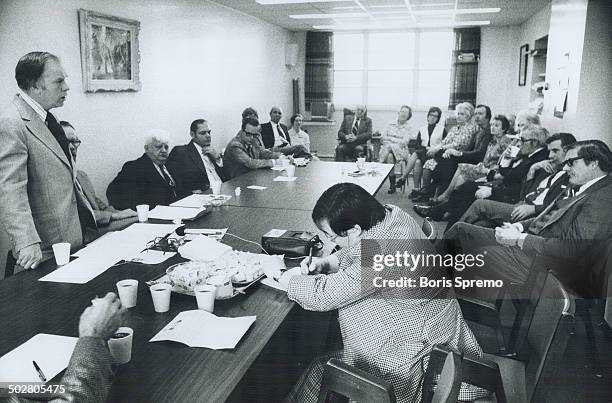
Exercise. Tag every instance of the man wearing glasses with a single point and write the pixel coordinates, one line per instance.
(197, 165)
(107, 217)
(244, 152)
(575, 228)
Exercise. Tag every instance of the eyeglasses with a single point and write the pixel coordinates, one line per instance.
(204, 132)
(76, 142)
(252, 134)
(570, 161)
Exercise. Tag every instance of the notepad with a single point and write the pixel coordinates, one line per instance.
(199, 328)
(51, 353)
(176, 213)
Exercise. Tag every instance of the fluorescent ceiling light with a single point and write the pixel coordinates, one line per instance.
(347, 8)
(331, 15)
(406, 25)
(433, 5)
(460, 11)
(270, 2)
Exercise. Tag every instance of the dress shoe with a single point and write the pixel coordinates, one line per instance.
(391, 190)
(423, 211)
(400, 183)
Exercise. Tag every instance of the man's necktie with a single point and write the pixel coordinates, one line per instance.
(58, 132)
(169, 180)
(282, 134)
(355, 127)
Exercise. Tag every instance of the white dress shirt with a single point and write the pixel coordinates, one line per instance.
(210, 166)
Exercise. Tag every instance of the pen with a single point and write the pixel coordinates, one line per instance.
(41, 375)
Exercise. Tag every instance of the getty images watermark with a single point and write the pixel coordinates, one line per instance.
(417, 265)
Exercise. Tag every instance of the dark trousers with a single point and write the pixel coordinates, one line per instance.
(349, 151)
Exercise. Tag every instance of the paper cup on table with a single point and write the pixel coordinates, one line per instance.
(62, 253)
(205, 296)
(120, 345)
(290, 171)
(223, 285)
(128, 292)
(160, 293)
(361, 163)
(143, 212)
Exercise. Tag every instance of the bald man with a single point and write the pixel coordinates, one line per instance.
(353, 135)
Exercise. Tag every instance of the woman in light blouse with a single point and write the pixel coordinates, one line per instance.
(296, 134)
(395, 139)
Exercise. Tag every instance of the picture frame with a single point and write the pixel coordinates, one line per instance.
(524, 57)
(110, 54)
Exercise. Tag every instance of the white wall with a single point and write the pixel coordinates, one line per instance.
(198, 59)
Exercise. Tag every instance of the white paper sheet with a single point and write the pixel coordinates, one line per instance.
(203, 248)
(175, 213)
(199, 328)
(285, 179)
(270, 282)
(51, 353)
(277, 168)
(152, 256)
(214, 233)
(99, 256)
(256, 187)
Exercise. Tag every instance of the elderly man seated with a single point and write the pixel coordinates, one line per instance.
(107, 217)
(353, 135)
(244, 152)
(145, 180)
(275, 136)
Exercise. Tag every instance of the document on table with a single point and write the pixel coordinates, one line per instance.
(270, 282)
(278, 168)
(176, 213)
(199, 200)
(214, 233)
(150, 256)
(101, 255)
(284, 179)
(203, 248)
(256, 187)
(51, 353)
(199, 328)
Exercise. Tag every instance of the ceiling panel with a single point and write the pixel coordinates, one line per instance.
(512, 12)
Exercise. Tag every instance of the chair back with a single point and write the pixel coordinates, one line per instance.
(359, 386)
(429, 229)
(548, 336)
(449, 380)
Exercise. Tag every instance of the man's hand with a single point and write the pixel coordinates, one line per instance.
(211, 152)
(546, 165)
(507, 235)
(102, 318)
(120, 215)
(483, 192)
(350, 137)
(29, 256)
(316, 266)
(521, 212)
(451, 152)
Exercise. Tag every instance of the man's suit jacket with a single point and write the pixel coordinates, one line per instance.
(364, 130)
(38, 199)
(530, 187)
(188, 170)
(139, 182)
(579, 234)
(509, 191)
(267, 134)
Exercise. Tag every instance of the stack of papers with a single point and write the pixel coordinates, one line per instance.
(51, 353)
(199, 328)
(176, 213)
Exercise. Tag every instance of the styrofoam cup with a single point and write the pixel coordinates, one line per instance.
(205, 296)
(61, 251)
(143, 212)
(120, 345)
(160, 293)
(128, 292)
(290, 169)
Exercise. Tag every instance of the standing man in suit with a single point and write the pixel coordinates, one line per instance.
(145, 180)
(38, 197)
(275, 136)
(196, 166)
(569, 228)
(354, 133)
(107, 217)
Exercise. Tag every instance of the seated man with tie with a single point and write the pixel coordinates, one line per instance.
(244, 152)
(543, 183)
(107, 217)
(353, 135)
(196, 166)
(275, 136)
(38, 197)
(145, 180)
(569, 229)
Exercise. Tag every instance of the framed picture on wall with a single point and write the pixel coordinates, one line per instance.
(110, 56)
(524, 57)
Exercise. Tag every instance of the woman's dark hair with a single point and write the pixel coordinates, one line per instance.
(249, 113)
(504, 121)
(294, 117)
(346, 204)
(437, 110)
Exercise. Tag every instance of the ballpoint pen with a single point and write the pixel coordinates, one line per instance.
(41, 374)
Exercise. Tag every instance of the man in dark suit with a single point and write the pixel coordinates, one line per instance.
(568, 229)
(145, 180)
(544, 182)
(353, 135)
(275, 136)
(197, 165)
(39, 200)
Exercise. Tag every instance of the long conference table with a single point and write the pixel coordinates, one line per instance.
(167, 371)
